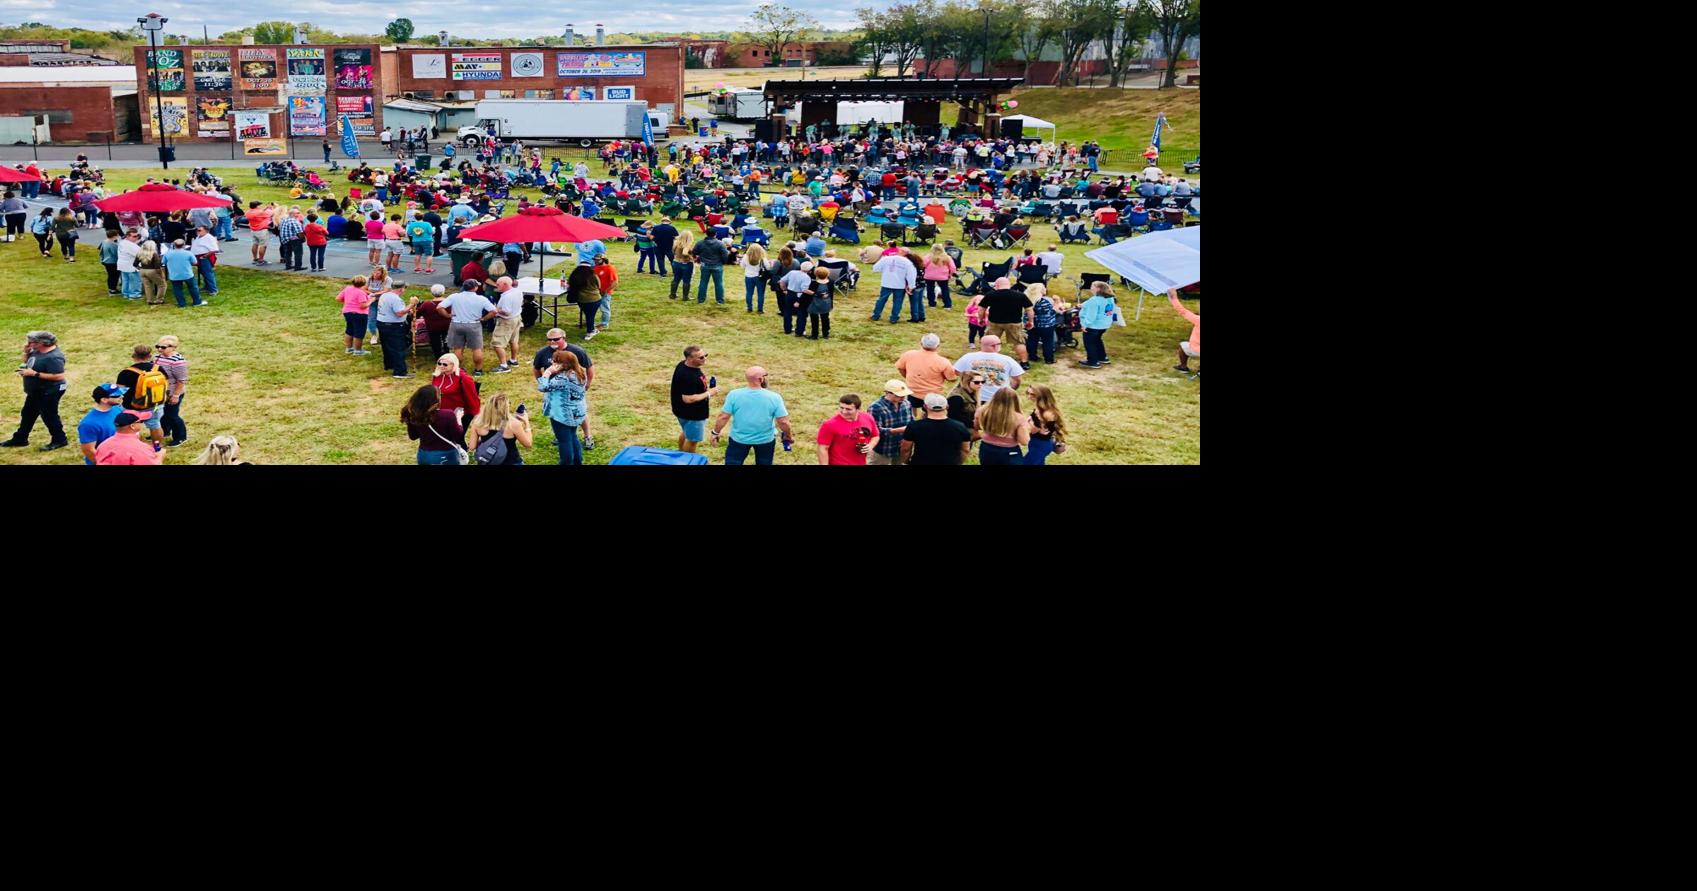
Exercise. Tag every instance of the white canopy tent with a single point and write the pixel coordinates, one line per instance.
(1032, 123)
(1157, 261)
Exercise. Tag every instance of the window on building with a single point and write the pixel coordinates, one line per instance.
(500, 94)
(54, 115)
(543, 94)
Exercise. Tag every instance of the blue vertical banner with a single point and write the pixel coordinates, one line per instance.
(647, 129)
(350, 142)
(1160, 121)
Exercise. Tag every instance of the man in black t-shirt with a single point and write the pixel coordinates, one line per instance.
(557, 341)
(141, 362)
(1009, 316)
(690, 391)
(936, 438)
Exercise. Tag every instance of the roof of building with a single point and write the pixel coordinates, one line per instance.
(58, 58)
(888, 88)
(412, 105)
(65, 74)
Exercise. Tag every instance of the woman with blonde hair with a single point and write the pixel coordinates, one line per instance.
(221, 450)
(1048, 429)
(683, 262)
(1005, 430)
(754, 267)
(939, 268)
(499, 420)
(152, 268)
(376, 283)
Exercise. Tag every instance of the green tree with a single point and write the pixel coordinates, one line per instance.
(774, 27)
(1124, 42)
(399, 30)
(1174, 21)
(268, 33)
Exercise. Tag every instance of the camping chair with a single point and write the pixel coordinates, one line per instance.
(756, 236)
(1175, 216)
(959, 206)
(843, 275)
(1085, 280)
(997, 270)
(981, 235)
(924, 233)
(877, 217)
(1034, 274)
(672, 209)
(1136, 219)
(844, 230)
(1070, 231)
(1163, 224)
(1014, 235)
(806, 224)
(892, 231)
(1115, 232)
(632, 226)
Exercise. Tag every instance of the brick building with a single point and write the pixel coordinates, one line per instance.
(652, 73)
(794, 55)
(83, 103)
(269, 91)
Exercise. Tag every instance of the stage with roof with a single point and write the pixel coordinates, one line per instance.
(922, 98)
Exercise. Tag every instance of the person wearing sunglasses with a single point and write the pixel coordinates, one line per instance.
(175, 367)
(545, 358)
(690, 391)
(457, 388)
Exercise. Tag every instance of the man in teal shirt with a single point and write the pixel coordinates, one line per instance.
(751, 412)
(179, 268)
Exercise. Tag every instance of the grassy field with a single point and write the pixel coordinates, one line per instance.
(1121, 120)
(267, 363)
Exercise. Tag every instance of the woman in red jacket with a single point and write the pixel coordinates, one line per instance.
(457, 388)
(317, 236)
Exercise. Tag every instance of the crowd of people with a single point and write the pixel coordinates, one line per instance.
(817, 186)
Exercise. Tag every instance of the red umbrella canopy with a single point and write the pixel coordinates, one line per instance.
(543, 224)
(14, 175)
(157, 198)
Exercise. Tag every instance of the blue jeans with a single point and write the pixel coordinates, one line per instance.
(131, 283)
(647, 257)
(206, 274)
(172, 422)
(717, 275)
(753, 286)
(393, 336)
(606, 310)
(989, 454)
(315, 254)
(194, 289)
(425, 457)
(932, 286)
(571, 448)
(682, 272)
(1041, 449)
(737, 452)
(1094, 351)
(1044, 338)
(225, 225)
(895, 311)
(1092, 163)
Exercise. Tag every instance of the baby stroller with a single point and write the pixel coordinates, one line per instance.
(1066, 333)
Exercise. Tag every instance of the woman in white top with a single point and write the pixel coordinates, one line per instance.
(754, 269)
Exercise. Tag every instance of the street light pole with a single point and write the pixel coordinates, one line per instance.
(153, 23)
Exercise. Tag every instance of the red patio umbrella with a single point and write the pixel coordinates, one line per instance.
(14, 175)
(158, 198)
(543, 224)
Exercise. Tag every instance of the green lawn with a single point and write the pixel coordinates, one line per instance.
(1121, 120)
(267, 363)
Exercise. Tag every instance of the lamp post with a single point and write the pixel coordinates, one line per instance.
(153, 23)
(442, 38)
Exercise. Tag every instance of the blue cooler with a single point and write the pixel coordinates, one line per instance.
(643, 455)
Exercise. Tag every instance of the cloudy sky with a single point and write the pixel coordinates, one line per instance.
(471, 19)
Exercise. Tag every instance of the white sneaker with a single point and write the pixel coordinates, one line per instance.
(590, 335)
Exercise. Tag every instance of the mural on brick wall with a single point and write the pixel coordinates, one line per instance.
(306, 72)
(353, 69)
(176, 110)
(628, 64)
(211, 71)
(167, 65)
(253, 125)
(306, 116)
(212, 116)
(259, 69)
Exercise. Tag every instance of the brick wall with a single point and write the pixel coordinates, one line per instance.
(745, 55)
(1042, 73)
(92, 118)
(662, 81)
(243, 98)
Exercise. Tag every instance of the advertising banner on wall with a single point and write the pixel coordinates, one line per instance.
(211, 71)
(212, 116)
(430, 65)
(353, 69)
(528, 65)
(259, 69)
(630, 64)
(577, 93)
(477, 66)
(168, 67)
(253, 125)
(619, 93)
(354, 105)
(176, 115)
(306, 72)
(274, 146)
(306, 116)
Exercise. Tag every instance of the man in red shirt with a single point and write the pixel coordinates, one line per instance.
(124, 447)
(848, 436)
(889, 183)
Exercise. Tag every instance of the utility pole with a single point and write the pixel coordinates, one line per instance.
(153, 23)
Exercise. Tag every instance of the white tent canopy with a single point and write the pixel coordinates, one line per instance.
(1157, 261)
(1030, 122)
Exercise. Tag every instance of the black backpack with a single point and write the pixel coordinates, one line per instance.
(492, 450)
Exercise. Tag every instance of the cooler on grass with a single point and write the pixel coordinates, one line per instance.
(643, 455)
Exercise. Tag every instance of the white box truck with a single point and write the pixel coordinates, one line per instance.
(582, 122)
(739, 105)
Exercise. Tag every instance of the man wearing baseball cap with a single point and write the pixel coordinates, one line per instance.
(97, 426)
(892, 415)
(124, 446)
(936, 438)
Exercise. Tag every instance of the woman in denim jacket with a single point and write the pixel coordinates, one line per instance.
(562, 389)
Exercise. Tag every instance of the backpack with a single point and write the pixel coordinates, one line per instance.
(492, 450)
(150, 387)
